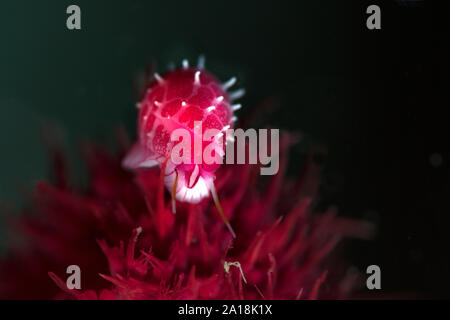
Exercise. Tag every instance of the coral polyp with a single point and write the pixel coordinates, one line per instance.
(129, 245)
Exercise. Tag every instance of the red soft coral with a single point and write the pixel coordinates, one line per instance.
(129, 245)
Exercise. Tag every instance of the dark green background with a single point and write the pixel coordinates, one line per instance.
(374, 98)
(85, 80)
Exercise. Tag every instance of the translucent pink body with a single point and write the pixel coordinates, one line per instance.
(178, 102)
(180, 99)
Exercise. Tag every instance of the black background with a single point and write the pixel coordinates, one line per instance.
(405, 95)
